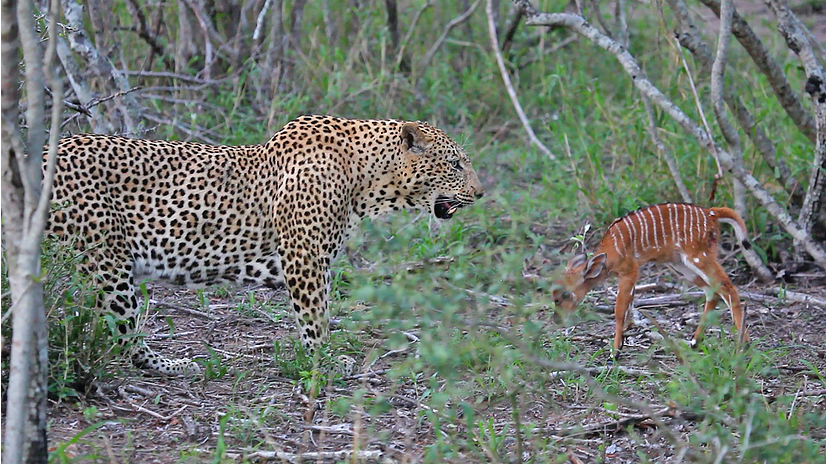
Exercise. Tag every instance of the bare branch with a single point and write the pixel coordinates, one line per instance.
(400, 54)
(164, 74)
(621, 29)
(701, 112)
(41, 214)
(210, 34)
(581, 26)
(81, 90)
(665, 153)
(602, 21)
(114, 79)
(508, 38)
(260, 20)
(143, 31)
(492, 33)
(767, 65)
(690, 39)
(447, 29)
(789, 26)
(717, 90)
(729, 132)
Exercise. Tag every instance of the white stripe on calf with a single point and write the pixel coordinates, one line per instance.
(688, 263)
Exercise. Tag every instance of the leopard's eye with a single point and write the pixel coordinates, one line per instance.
(566, 295)
(455, 164)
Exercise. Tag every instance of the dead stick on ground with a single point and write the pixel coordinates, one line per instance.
(155, 414)
(680, 299)
(180, 308)
(594, 371)
(358, 455)
(610, 426)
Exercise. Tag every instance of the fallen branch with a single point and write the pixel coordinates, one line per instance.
(344, 428)
(180, 308)
(609, 426)
(786, 295)
(627, 420)
(355, 455)
(682, 298)
(595, 371)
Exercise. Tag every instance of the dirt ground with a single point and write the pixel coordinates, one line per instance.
(163, 420)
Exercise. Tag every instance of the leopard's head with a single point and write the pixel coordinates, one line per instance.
(435, 171)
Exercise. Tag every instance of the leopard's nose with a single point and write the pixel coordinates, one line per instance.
(480, 192)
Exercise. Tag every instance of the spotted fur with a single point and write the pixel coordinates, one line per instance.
(270, 214)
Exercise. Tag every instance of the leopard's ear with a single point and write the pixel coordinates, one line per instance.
(413, 139)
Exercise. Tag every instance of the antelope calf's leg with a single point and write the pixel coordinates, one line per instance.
(711, 302)
(625, 295)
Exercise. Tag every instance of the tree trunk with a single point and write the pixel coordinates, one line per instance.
(25, 206)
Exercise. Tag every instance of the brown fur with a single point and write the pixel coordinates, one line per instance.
(685, 236)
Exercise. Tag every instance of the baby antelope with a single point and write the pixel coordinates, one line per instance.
(685, 236)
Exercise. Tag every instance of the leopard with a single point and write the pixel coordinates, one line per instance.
(275, 214)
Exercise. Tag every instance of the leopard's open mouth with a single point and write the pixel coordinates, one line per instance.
(445, 207)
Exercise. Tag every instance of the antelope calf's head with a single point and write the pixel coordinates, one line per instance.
(581, 275)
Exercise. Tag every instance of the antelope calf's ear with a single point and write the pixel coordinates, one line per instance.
(576, 262)
(595, 266)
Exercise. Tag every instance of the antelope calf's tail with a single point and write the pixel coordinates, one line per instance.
(732, 218)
